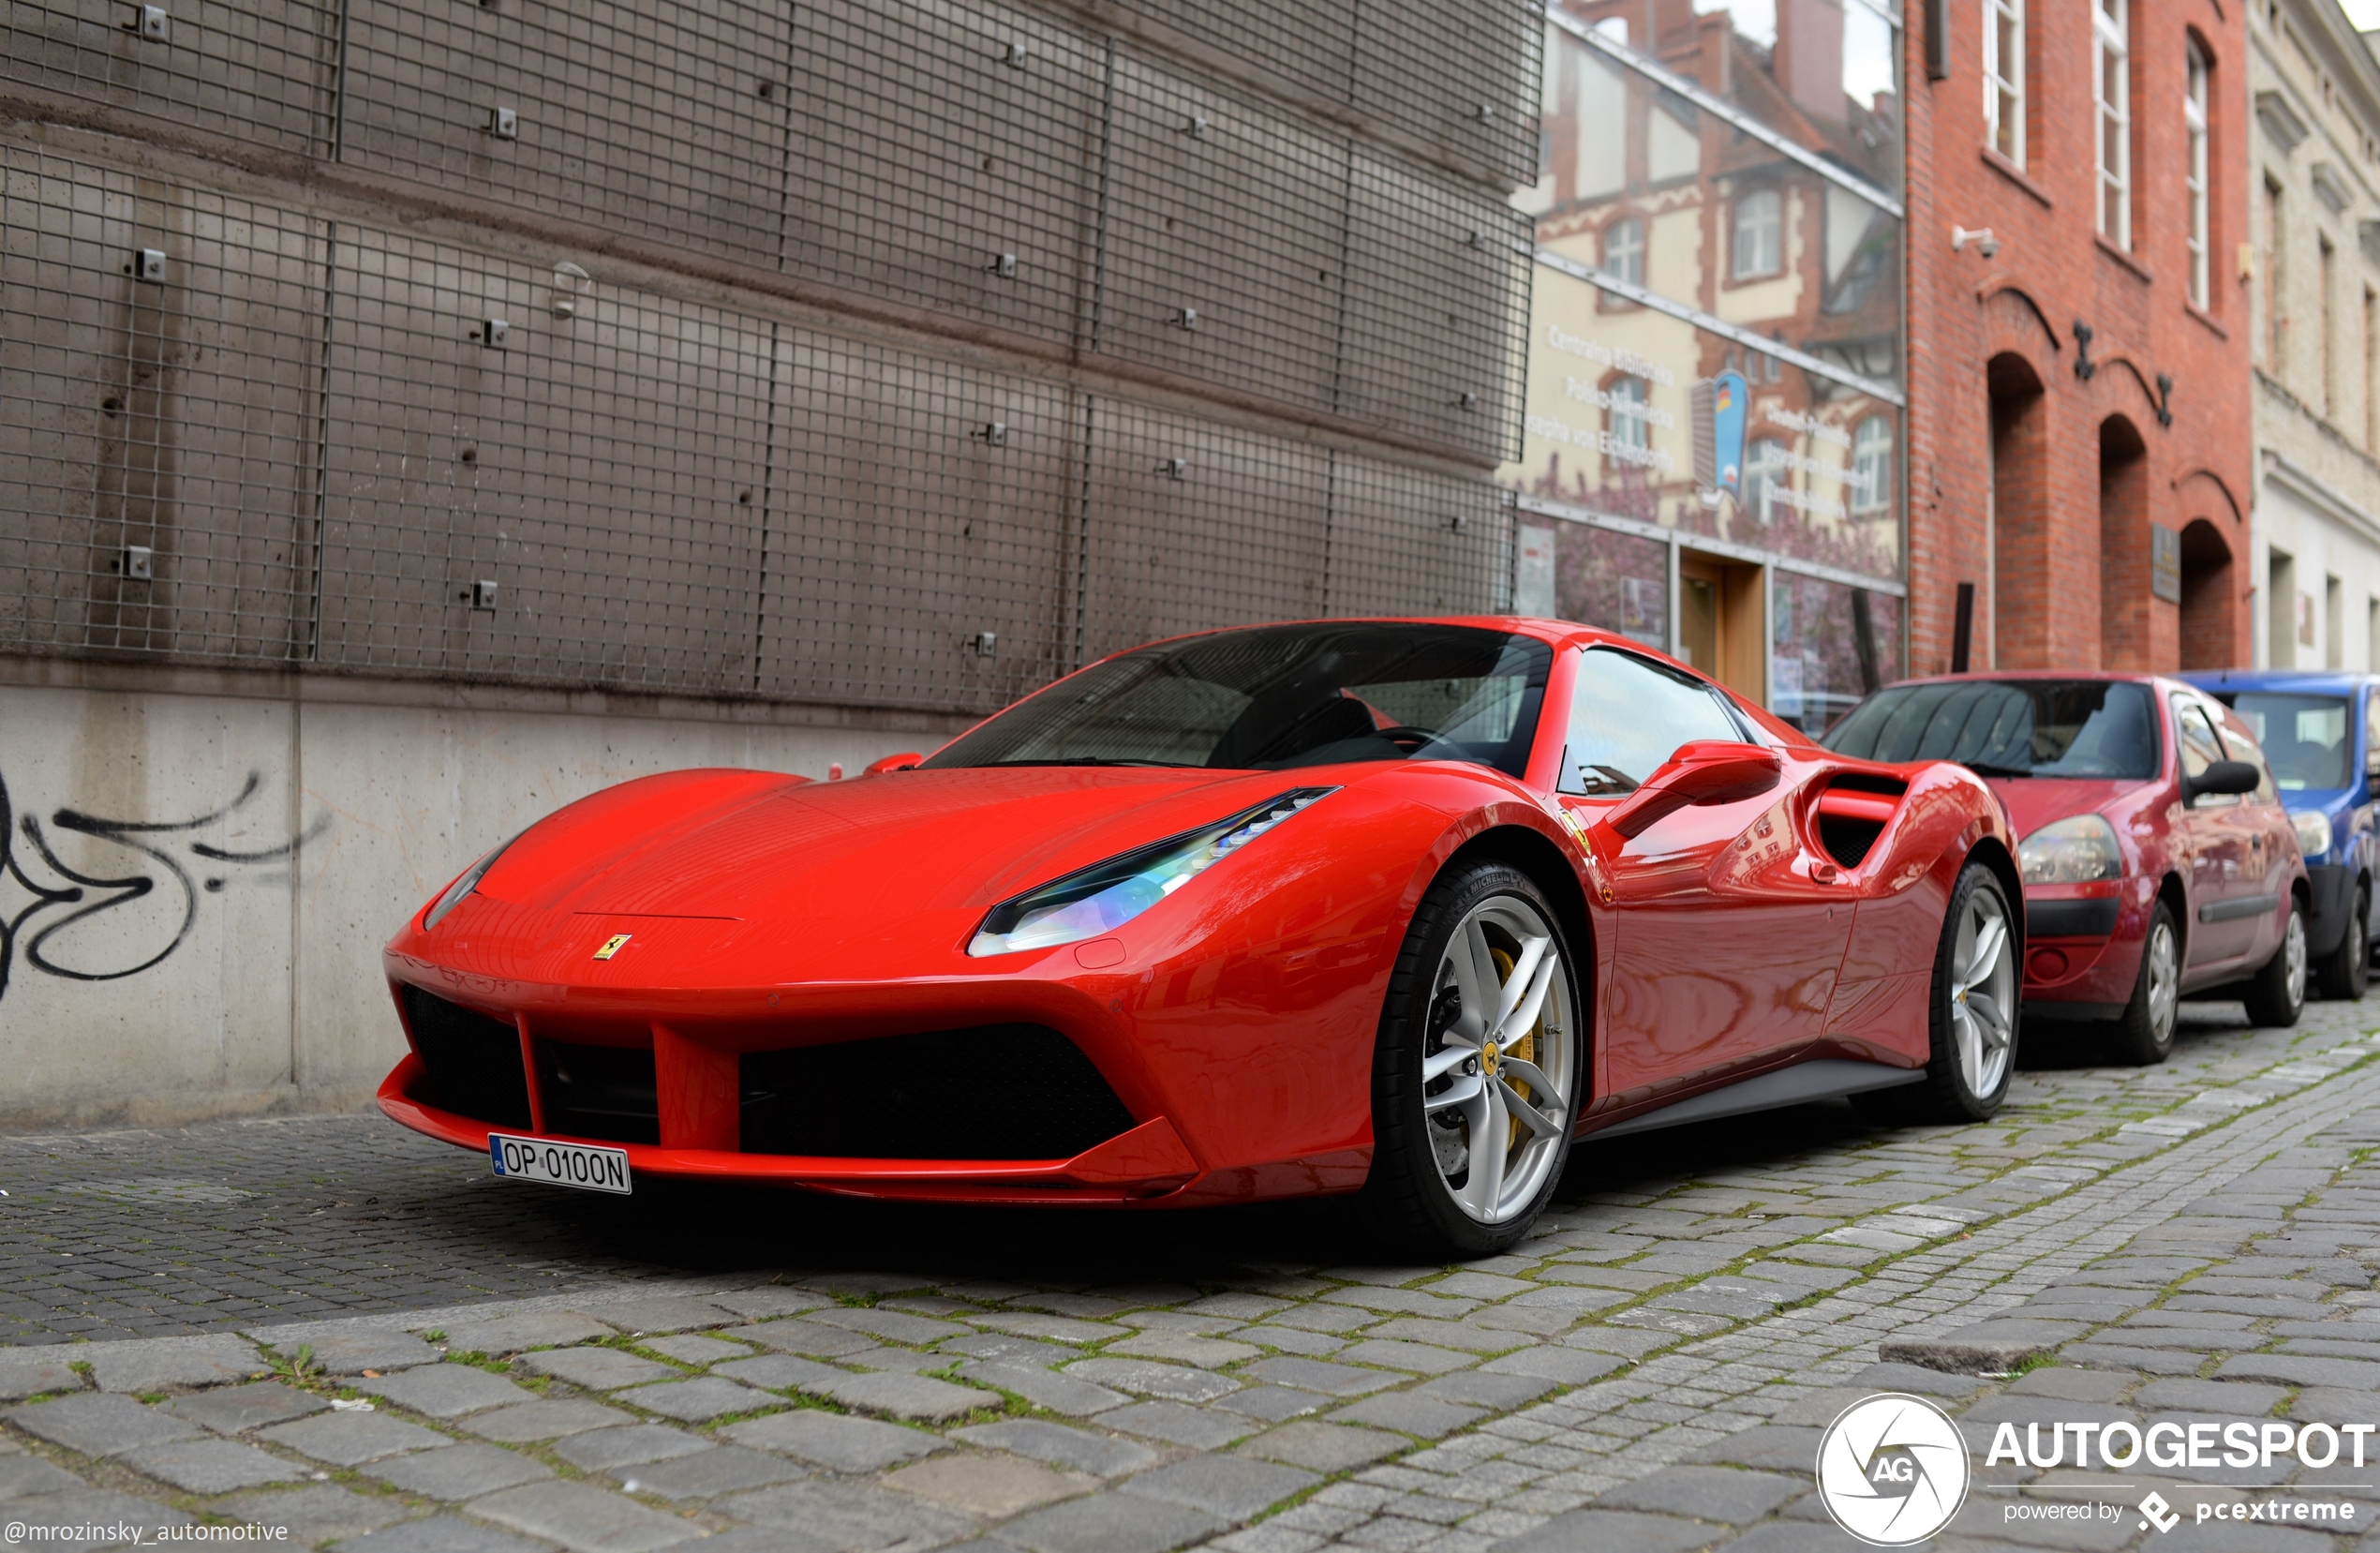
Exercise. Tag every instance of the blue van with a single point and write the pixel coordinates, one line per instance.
(2318, 729)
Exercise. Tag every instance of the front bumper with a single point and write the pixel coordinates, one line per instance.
(2082, 949)
(2331, 891)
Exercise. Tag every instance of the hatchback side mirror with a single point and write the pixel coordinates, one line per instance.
(2223, 776)
(893, 762)
(1708, 770)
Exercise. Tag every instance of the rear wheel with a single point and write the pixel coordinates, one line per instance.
(1973, 1022)
(1477, 1077)
(2346, 971)
(2277, 995)
(2145, 1033)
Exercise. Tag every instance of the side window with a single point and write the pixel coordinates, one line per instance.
(1628, 716)
(2199, 748)
(2243, 746)
(2371, 737)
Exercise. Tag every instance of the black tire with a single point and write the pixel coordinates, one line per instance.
(2276, 995)
(2143, 1036)
(1409, 1202)
(2346, 972)
(1949, 1093)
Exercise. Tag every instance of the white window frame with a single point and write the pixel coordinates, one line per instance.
(1631, 404)
(1765, 233)
(2004, 79)
(1765, 467)
(2193, 117)
(1632, 268)
(1871, 471)
(2111, 58)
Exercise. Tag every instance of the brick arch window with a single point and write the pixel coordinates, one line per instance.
(2196, 95)
(2111, 87)
(1624, 250)
(2004, 78)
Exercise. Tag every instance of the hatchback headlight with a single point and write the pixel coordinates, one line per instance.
(1107, 895)
(2074, 850)
(2313, 833)
(467, 883)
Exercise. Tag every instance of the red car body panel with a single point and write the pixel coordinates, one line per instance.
(1234, 1020)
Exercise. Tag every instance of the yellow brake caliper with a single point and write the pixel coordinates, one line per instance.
(1524, 1048)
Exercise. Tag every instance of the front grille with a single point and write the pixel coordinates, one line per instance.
(599, 1091)
(474, 1062)
(988, 1092)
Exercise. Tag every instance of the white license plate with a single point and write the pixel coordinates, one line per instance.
(581, 1165)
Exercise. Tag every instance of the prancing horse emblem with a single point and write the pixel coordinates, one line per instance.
(612, 946)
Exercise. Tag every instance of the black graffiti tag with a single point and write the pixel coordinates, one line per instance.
(85, 896)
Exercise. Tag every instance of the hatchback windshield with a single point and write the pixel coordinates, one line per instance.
(2009, 727)
(1272, 698)
(2304, 736)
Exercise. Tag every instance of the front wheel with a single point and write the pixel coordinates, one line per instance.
(2277, 995)
(2346, 971)
(2145, 1033)
(1478, 1075)
(1973, 1022)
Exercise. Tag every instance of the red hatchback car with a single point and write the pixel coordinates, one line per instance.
(2158, 861)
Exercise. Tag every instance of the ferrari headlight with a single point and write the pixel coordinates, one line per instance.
(1107, 895)
(2313, 833)
(467, 883)
(2074, 850)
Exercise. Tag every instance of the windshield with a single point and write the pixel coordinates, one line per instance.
(1273, 697)
(2304, 736)
(2009, 727)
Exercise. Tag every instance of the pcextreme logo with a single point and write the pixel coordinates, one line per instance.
(1892, 1469)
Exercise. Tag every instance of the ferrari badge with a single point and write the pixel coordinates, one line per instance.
(612, 946)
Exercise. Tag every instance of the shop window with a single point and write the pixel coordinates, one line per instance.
(1760, 234)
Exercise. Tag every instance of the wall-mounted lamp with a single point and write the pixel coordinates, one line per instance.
(1985, 244)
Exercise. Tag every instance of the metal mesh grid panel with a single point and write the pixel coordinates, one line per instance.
(1195, 524)
(1310, 46)
(921, 504)
(922, 154)
(1226, 245)
(1438, 311)
(1404, 542)
(1461, 74)
(174, 414)
(260, 70)
(648, 115)
(606, 471)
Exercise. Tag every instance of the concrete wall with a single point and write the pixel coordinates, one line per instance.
(197, 870)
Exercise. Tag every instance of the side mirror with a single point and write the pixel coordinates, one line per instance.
(892, 762)
(1708, 770)
(2223, 776)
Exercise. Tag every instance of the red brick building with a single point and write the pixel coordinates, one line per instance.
(2079, 430)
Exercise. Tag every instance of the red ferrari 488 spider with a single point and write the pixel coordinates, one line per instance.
(1397, 908)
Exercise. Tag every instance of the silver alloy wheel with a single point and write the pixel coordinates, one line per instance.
(1498, 1067)
(2164, 971)
(1983, 994)
(2293, 944)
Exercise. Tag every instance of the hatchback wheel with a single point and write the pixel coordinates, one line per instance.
(1477, 1077)
(2346, 971)
(2145, 1032)
(2277, 995)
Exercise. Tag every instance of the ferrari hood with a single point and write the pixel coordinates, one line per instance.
(876, 848)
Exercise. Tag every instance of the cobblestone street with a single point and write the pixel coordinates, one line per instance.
(331, 1326)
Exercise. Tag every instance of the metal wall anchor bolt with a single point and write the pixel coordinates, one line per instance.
(996, 433)
(1185, 318)
(138, 563)
(1476, 239)
(1003, 265)
(496, 333)
(482, 595)
(569, 284)
(504, 124)
(1175, 469)
(151, 24)
(1461, 523)
(1196, 128)
(983, 643)
(1468, 401)
(149, 265)
(1017, 55)
(1485, 114)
